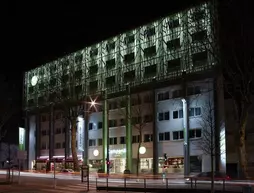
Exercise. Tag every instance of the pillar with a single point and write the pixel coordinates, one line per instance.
(27, 139)
(128, 128)
(51, 132)
(155, 131)
(38, 134)
(105, 135)
(186, 141)
(86, 133)
(67, 140)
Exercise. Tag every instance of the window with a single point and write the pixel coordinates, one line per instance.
(63, 145)
(63, 130)
(163, 116)
(99, 142)
(178, 114)
(148, 118)
(174, 23)
(163, 96)
(136, 120)
(122, 140)
(129, 39)
(177, 135)
(195, 133)
(150, 51)
(100, 125)
(92, 142)
(148, 98)
(164, 136)
(200, 59)
(112, 123)
(90, 126)
(129, 58)
(93, 69)
(199, 36)
(177, 93)
(110, 80)
(148, 138)
(58, 130)
(122, 122)
(110, 64)
(129, 76)
(58, 145)
(44, 132)
(150, 71)
(173, 44)
(195, 111)
(150, 31)
(174, 65)
(44, 146)
(112, 105)
(194, 90)
(135, 139)
(112, 141)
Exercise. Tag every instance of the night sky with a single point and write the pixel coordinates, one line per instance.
(40, 32)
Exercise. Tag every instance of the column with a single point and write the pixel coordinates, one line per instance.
(27, 139)
(51, 133)
(67, 139)
(155, 133)
(128, 129)
(38, 134)
(186, 141)
(105, 135)
(85, 135)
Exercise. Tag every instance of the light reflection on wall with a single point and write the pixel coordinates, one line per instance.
(80, 133)
(223, 148)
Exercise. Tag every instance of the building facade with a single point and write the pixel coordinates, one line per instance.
(150, 84)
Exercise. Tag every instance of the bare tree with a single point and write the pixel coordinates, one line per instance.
(67, 99)
(140, 116)
(208, 143)
(233, 56)
(4, 118)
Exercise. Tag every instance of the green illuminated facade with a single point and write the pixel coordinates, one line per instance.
(162, 49)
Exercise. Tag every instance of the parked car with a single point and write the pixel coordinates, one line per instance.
(67, 171)
(207, 176)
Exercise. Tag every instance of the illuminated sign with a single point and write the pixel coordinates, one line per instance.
(80, 133)
(22, 136)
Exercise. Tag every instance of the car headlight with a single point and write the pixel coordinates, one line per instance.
(187, 179)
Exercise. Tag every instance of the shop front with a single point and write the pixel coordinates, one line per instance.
(176, 165)
(117, 159)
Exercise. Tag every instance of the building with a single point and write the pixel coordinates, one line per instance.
(8, 155)
(166, 66)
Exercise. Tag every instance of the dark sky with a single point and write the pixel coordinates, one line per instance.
(41, 32)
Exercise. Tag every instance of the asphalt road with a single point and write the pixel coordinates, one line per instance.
(39, 185)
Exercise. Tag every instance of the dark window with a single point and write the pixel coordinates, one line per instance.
(150, 51)
(122, 140)
(129, 58)
(150, 71)
(173, 44)
(90, 126)
(99, 125)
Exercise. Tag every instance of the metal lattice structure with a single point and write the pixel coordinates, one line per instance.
(163, 49)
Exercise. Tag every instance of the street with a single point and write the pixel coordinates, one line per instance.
(45, 183)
